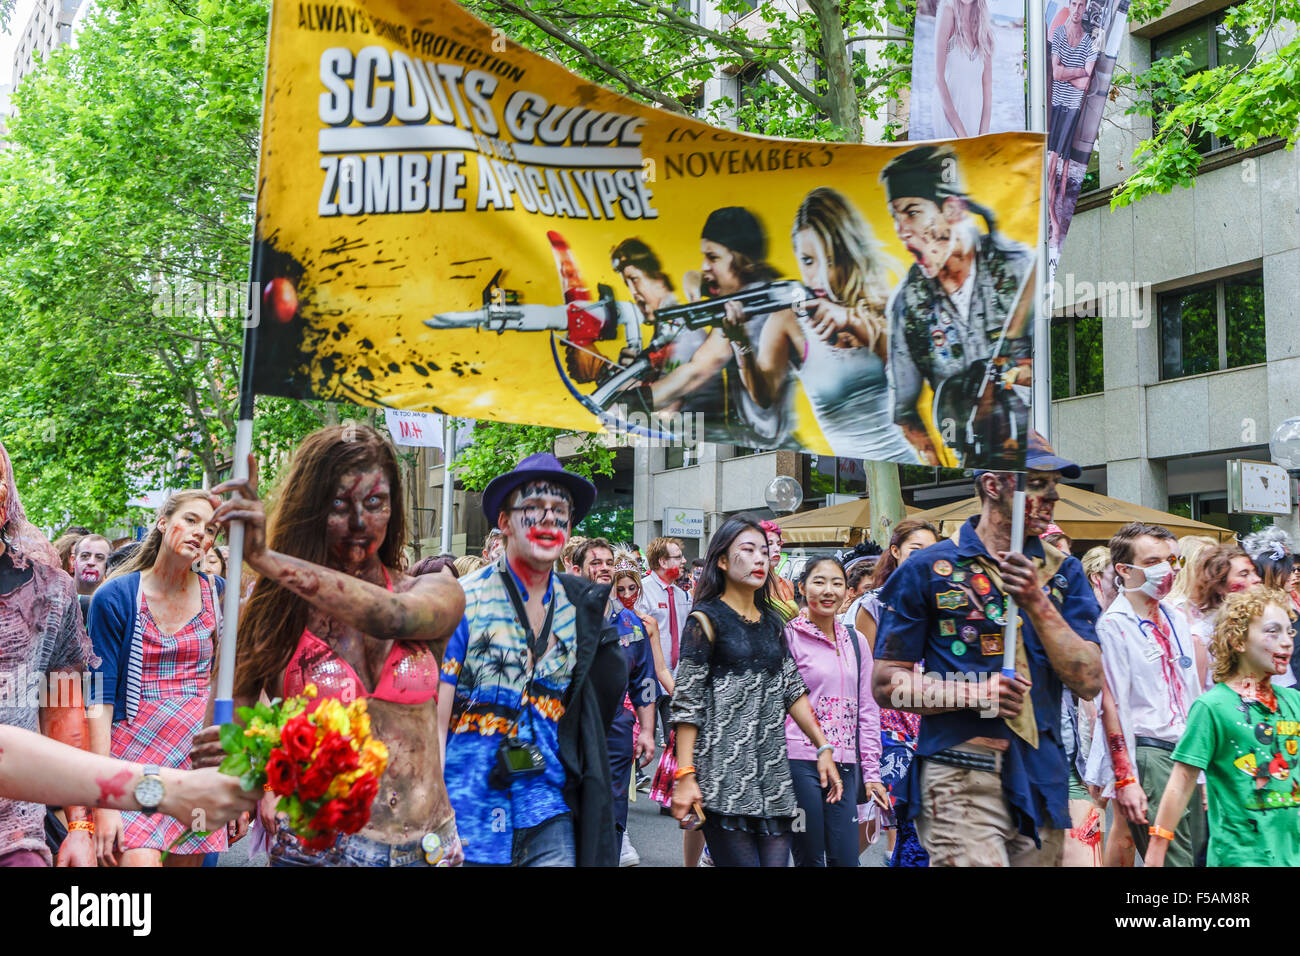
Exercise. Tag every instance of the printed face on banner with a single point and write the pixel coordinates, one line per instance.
(447, 225)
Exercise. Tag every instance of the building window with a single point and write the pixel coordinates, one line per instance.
(1077, 357)
(678, 456)
(1209, 43)
(1211, 327)
(829, 475)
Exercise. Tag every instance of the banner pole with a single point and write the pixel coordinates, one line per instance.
(223, 706)
(448, 489)
(1041, 406)
(1012, 624)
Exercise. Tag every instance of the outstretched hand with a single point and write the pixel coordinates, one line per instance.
(243, 505)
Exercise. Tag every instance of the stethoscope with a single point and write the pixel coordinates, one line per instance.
(1183, 660)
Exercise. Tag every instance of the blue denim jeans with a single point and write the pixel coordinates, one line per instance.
(547, 844)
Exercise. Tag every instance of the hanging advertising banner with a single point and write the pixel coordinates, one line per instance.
(1083, 41)
(968, 69)
(447, 222)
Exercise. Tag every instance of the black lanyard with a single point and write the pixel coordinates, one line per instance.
(537, 644)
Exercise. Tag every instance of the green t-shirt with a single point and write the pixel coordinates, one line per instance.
(1249, 755)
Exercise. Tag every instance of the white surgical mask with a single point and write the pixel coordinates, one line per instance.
(1155, 579)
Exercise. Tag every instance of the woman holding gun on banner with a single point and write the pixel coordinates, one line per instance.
(836, 343)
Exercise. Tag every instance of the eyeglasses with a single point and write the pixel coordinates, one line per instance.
(537, 513)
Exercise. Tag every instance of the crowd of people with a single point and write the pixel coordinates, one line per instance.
(526, 692)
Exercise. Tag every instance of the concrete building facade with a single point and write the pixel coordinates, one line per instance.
(49, 26)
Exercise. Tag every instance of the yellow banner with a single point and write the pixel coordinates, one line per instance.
(448, 222)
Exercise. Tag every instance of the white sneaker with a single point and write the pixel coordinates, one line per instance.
(705, 858)
(628, 856)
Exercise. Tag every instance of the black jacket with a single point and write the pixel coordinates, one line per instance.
(590, 705)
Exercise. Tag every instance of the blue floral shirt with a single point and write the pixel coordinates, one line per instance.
(486, 664)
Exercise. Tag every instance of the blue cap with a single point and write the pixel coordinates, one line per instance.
(1039, 456)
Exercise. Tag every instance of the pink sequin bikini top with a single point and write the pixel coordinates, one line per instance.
(409, 674)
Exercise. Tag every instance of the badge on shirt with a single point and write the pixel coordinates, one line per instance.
(1059, 580)
(948, 627)
(951, 600)
(941, 568)
(980, 582)
(992, 645)
(969, 633)
(994, 612)
(958, 577)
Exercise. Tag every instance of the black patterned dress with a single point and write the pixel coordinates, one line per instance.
(737, 690)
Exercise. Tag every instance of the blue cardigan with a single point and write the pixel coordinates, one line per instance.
(115, 634)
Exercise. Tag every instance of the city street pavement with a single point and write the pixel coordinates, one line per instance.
(657, 838)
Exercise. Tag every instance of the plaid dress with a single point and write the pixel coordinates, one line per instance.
(173, 695)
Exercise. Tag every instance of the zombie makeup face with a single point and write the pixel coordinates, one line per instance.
(1041, 497)
(189, 532)
(928, 230)
(746, 564)
(598, 565)
(90, 563)
(717, 270)
(1242, 577)
(536, 523)
(627, 590)
(1152, 571)
(670, 568)
(824, 589)
(358, 517)
(773, 549)
(1270, 639)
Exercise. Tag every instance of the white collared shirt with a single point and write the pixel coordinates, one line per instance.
(655, 595)
(1131, 658)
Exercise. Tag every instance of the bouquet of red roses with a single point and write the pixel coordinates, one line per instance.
(319, 760)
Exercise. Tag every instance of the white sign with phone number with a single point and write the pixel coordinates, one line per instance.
(683, 523)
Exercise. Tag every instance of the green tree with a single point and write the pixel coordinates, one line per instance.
(125, 224)
(1240, 103)
(497, 446)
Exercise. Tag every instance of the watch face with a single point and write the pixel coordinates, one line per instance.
(149, 792)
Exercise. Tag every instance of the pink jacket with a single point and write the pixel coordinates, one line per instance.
(840, 697)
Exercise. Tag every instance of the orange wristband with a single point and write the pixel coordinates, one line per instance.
(87, 825)
(1120, 784)
(1161, 832)
(682, 772)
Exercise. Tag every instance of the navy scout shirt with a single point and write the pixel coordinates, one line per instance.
(940, 607)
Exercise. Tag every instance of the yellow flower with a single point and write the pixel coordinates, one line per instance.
(374, 758)
(309, 691)
(359, 719)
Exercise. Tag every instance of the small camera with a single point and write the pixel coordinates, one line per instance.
(515, 759)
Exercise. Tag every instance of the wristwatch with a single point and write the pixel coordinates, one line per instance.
(149, 790)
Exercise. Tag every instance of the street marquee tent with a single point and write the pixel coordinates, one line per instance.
(843, 525)
(1083, 515)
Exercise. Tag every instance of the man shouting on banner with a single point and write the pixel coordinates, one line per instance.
(949, 310)
(989, 787)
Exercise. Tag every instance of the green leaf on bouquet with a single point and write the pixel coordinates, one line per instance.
(235, 765)
(232, 738)
(245, 714)
(251, 779)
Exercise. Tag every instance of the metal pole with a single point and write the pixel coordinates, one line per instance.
(1041, 406)
(223, 705)
(1012, 624)
(448, 489)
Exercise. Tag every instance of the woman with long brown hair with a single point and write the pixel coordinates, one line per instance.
(332, 607)
(154, 624)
